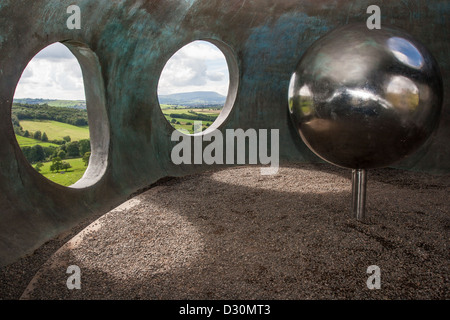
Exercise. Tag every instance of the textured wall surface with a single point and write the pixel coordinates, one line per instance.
(131, 41)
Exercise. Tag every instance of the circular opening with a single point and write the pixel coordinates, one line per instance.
(59, 115)
(198, 85)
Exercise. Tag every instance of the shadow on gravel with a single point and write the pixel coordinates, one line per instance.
(268, 243)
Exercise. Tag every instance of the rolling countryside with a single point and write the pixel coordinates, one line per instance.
(56, 130)
(51, 140)
(65, 178)
(54, 135)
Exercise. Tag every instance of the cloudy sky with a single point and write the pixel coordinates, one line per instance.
(54, 73)
(199, 66)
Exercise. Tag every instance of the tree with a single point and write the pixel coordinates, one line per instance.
(37, 135)
(27, 153)
(44, 112)
(61, 154)
(16, 125)
(26, 134)
(173, 121)
(81, 122)
(37, 154)
(65, 165)
(73, 149)
(85, 146)
(56, 164)
(15, 120)
(44, 137)
(86, 158)
(67, 139)
(38, 166)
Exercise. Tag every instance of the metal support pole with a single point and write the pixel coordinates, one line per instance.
(359, 185)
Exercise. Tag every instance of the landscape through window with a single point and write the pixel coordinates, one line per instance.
(49, 112)
(49, 116)
(193, 86)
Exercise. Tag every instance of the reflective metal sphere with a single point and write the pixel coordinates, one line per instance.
(365, 98)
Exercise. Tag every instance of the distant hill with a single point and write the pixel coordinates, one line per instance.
(75, 104)
(193, 99)
(189, 99)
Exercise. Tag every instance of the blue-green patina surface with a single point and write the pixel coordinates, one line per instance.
(133, 39)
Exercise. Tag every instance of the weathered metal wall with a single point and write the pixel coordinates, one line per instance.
(133, 39)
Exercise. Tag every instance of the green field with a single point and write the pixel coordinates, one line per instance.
(167, 110)
(67, 103)
(28, 142)
(65, 178)
(79, 104)
(168, 106)
(56, 130)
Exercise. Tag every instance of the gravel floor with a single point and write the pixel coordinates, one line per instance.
(234, 234)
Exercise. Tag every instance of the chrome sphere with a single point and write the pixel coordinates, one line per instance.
(363, 98)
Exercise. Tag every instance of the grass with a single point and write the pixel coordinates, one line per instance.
(183, 124)
(56, 130)
(167, 110)
(168, 106)
(208, 112)
(28, 142)
(65, 178)
(176, 111)
(66, 103)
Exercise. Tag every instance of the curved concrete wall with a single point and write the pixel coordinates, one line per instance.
(131, 40)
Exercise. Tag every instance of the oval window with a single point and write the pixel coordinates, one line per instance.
(50, 115)
(198, 85)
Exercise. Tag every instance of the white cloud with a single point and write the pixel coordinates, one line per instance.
(215, 76)
(199, 66)
(55, 52)
(54, 73)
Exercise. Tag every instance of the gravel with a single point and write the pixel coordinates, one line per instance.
(234, 234)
